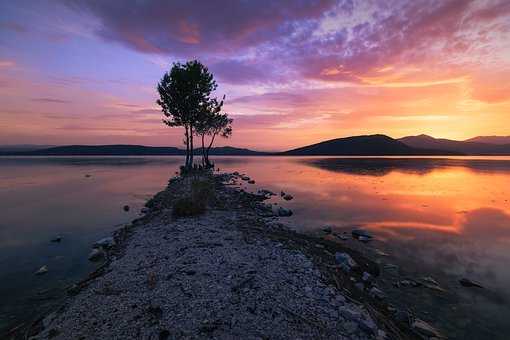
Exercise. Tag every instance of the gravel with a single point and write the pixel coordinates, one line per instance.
(206, 277)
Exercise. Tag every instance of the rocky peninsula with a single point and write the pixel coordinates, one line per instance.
(229, 271)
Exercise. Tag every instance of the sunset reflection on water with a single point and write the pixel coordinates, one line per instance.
(447, 218)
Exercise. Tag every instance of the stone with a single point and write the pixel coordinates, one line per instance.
(364, 239)
(343, 237)
(42, 270)
(366, 277)
(265, 192)
(106, 242)
(126, 208)
(345, 261)
(357, 233)
(287, 197)
(56, 239)
(426, 329)
(359, 286)
(144, 210)
(468, 283)
(430, 280)
(327, 229)
(284, 212)
(349, 313)
(377, 293)
(96, 254)
(251, 181)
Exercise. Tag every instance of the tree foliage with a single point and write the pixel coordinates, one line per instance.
(185, 100)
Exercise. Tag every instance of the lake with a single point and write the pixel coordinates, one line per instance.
(446, 218)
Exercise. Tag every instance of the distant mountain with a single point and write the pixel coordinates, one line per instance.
(499, 140)
(231, 151)
(465, 147)
(22, 147)
(371, 145)
(124, 150)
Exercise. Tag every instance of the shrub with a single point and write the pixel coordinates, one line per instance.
(202, 192)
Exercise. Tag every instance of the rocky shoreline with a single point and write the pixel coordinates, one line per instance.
(234, 271)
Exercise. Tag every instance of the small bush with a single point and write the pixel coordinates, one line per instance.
(202, 193)
(187, 207)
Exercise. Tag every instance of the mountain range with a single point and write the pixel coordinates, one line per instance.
(369, 145)
(471, 146)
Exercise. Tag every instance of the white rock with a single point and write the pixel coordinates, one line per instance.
(42, 270)
(345, 261)
(106, 242)
(96, 254)
(424, 328)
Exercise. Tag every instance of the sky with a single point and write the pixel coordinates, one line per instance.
(293, 72)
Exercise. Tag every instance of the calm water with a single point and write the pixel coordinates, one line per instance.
(445, 218)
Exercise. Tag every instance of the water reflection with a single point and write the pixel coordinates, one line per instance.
(446, 218)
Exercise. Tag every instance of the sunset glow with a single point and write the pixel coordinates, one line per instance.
(294, 72)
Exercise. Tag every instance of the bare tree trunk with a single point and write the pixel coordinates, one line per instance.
(209, 149)
(204, 163)
(186, 134)
(191, 146)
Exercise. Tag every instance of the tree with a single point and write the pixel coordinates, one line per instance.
(213, 123)
(185, 99)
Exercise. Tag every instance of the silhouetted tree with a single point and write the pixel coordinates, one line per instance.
(185, 99)
(213, 123)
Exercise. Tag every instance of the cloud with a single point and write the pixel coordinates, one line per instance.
(51, 100)
(180, 28)
(7, 63)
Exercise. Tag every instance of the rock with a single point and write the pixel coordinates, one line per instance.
(126, 208)
(251, 181)
(287, 197)
(366, 277)
(96, 254)
(380, 252)
(106, 242)
(359, 286)
(410, 283)
(364, 239)
(284, 212)
(265, 192)
(345, 261)
(357, 233)
(144, 210)
(236, 173)
(87, 176)
(73, 290)
(56, 239)
(430, 280)
(391, 267)
(377, 293)
(42, 270)
(282, 193)
(425, 329)
(468, 283)
(343, 237)
(245, 178)
(349, 313)
(327, 229)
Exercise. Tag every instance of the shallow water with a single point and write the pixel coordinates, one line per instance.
(442, 217)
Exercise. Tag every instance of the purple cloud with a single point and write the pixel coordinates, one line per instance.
(50, 100)
(183, 28)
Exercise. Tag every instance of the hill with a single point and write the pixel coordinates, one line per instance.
(371, 145)
(498, 140)
(124, 150)
(465, 147)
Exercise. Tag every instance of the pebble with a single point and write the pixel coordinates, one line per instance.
(42, 270)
